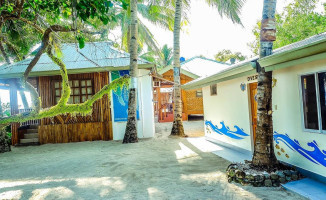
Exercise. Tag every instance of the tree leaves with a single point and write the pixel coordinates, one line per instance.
(298, 21)
(86, 14)
(81, 41)
(226, 54)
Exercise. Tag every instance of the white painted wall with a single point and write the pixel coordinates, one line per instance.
(287, 115)
(145, 124)
(230, 105)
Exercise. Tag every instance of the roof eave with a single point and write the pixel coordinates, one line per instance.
(76, 71)
(278, 61)
(165, 69)
(189, 74)
(183, 71)
(241, 70)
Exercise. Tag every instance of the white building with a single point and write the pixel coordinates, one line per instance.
(299, 104)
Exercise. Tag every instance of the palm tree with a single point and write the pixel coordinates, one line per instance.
(167, 56)
(177, 128)
(229, 8)
(162, 61)
(156, 12)
(131, 128)
(264, 151)
(131, 26)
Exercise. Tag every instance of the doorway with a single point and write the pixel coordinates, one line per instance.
(253, 105)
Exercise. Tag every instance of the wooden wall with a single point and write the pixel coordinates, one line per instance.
(79, 132)
(190, 103)
(67, 128)
(194, 103)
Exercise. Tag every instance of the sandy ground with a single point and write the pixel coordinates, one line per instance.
(157, 168)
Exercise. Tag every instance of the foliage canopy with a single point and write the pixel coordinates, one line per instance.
(45, 19)
(298, 21)
(226, 54)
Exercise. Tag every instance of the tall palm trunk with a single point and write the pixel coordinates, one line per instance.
(264, 151)
(131, 128)
(177, 128)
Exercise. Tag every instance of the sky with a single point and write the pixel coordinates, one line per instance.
(208, 33)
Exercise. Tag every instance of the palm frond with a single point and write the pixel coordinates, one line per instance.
(229, 8)
(157, 15)
(167, 56)
(148, 38)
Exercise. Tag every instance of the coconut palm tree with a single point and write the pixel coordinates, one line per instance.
(131, 129)
(162, 61)
(228, 8)
(264, 151)
(167, 56)
(156, 12)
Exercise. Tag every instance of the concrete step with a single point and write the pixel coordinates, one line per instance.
(27, 144)
(32, 130)
(30, 135)
(22, 141)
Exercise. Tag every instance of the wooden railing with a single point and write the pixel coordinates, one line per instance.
(165, 109)
(29, 122)
(95, 116)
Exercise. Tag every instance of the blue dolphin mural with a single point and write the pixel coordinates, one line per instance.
(316, 155)
(238, 134)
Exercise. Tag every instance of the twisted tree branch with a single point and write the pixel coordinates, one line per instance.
(44, 45)
(4, 53)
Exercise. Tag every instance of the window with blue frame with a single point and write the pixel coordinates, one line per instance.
(313, 88)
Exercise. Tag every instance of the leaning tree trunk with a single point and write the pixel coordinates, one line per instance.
(177, 128)
(24, 99)
(264, 151)
(131, 128)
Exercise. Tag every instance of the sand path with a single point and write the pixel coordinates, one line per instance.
(157, 168)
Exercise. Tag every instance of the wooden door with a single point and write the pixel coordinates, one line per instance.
(253, 103)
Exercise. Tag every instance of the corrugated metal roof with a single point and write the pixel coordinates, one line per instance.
(229, 68)
(199, 66)
(202, 66)
(302, 43)
(98, 55)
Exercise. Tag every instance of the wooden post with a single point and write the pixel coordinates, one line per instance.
(184, 102)
(14, 110)
(159, 103)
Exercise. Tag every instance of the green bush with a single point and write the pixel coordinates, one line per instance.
(9, 134)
